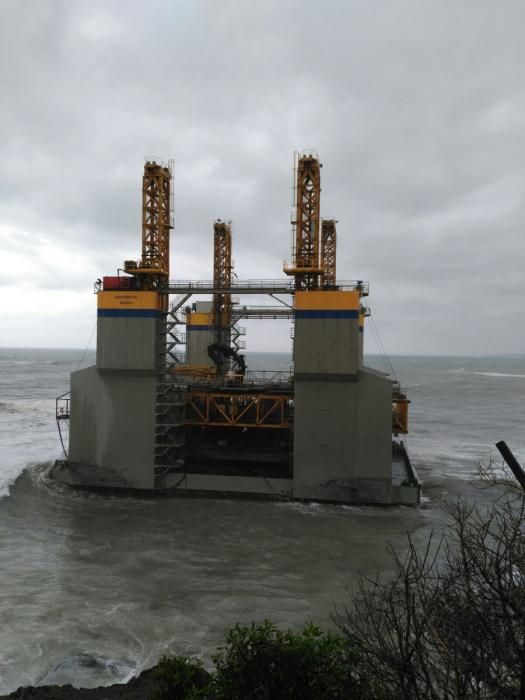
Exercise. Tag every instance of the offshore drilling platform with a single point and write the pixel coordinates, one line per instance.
(171, 406)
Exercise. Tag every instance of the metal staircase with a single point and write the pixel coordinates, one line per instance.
(236, 333)
(170, 437)
(175, 337)
(170, 434)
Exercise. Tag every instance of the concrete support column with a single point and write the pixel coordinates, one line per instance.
(342, 424)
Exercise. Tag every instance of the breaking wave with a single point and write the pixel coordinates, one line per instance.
(86, 670)
(500, 374)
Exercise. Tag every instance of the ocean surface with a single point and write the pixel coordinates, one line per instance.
(95, 588)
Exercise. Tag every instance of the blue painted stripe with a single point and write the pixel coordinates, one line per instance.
(200, 328)
(330, 313)
(128, 313)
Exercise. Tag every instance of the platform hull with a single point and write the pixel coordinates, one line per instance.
(324, 434)
(404, 488)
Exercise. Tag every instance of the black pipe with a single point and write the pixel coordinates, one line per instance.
(513, 463)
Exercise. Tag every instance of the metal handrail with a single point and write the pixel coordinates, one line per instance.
(267, 376)
(238, 284)
(279, 285)
(62, 406)
(62, 413)
(251, 378)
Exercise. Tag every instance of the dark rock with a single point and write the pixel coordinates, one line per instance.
(139, 688)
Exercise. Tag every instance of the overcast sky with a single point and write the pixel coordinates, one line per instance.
(417, 111)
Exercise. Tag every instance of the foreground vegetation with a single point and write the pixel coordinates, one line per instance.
(261, 662)
(450, 623)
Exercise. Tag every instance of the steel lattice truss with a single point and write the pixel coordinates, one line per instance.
(399, 413)
(156, 219)
(307, 220)
(222, 277)
(328, 252)
(239, 410)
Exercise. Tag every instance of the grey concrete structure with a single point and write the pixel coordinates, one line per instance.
(361, 344)
(200, 333)
(112, 427)
(112, 423)
(326, 348)
(257, 486)
(342, 423)
(127, 344)
(343, 438)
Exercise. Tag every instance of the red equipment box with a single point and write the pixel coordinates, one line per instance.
(110, 283)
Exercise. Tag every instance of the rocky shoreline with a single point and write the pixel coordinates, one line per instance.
(136, 689)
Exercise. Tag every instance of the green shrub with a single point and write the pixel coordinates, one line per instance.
(180, 678)
(262, 662)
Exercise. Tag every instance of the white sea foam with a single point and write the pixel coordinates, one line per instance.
(15, 362)
(500, 374)
(9, 473)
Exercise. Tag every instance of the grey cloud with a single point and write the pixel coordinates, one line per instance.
(414, 107)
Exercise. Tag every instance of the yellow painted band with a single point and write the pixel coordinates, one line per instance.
(327, 300)
(199, 319)
(129, 300)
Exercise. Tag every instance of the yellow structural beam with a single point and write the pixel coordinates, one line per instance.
(238, 410)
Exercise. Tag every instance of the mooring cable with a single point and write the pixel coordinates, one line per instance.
(87, 346)
(381, 348)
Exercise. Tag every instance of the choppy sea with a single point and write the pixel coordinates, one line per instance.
(95, 588)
